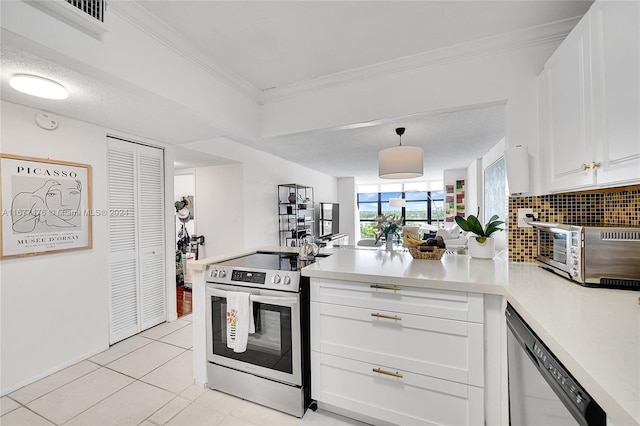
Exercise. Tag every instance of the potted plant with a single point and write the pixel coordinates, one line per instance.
(482, 246)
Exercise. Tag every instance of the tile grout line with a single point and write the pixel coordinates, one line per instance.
(148, 418)
(54, 389)
(122, 356)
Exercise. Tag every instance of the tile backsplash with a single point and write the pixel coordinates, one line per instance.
(613, 206)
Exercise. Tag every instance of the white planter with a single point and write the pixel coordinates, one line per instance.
(484, 250)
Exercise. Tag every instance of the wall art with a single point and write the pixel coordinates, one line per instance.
(45, 204)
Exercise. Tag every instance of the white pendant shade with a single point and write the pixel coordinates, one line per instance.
(400, 162)
(397, 202)
(38, 86)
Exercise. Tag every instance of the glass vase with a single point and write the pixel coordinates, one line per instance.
(389, 242)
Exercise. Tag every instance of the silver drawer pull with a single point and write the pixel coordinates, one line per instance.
(388, 373)
(385, 287)
(395, 318)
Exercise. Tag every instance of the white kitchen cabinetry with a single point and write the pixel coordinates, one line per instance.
(617, 91)
(590, 102)
(398, 354)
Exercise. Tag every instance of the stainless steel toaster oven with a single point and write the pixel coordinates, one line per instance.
(594, 256)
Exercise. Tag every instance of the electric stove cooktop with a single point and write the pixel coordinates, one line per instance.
(267, 261)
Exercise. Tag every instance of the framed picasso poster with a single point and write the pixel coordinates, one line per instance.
(45, 204)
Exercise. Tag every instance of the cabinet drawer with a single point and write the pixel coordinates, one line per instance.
(411, 399)
(448, 349)
(412, 300)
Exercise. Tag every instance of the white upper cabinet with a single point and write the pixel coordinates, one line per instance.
(616, 70)
(590, 102)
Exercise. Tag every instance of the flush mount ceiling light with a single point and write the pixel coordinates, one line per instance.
(400, 162)
(38, 86)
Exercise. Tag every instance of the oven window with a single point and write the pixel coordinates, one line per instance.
(553, 246)
(270, 346)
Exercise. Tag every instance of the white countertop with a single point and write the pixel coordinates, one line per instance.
(594, 332)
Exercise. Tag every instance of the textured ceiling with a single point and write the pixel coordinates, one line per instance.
(104, 104)
(450, 139)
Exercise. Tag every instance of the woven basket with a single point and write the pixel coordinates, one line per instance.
(426, 252)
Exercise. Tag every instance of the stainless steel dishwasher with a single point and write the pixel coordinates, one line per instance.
(541, 390)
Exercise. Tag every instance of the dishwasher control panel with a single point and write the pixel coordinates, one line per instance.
(561, 377)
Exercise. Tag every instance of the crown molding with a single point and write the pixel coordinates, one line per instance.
(539, 35)
(142, 19)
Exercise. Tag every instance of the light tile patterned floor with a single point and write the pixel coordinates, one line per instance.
(145, 380)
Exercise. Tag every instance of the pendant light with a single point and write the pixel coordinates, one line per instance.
(400, 162)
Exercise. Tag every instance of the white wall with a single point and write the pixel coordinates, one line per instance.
(54, 307)
(220, 208)
(349, 219)
(473, 188)
(258, 183)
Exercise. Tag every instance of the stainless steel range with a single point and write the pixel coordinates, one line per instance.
(274, 368)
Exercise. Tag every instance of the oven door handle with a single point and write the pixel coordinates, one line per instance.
(216, 292)
(271, 300)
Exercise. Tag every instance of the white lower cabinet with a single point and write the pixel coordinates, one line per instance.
(393, 395)
(394, 353)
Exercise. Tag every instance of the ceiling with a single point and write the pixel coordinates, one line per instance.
(275, 43)
(450, 139)
(271, 46)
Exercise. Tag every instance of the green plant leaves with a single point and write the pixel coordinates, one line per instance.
(475, 225)
(462, 223)
(472, 224)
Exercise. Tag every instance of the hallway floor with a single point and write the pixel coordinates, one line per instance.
(144, 380)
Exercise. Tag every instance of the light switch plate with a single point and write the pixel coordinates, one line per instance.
(522, 218)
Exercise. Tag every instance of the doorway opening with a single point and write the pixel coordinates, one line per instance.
(185, 230)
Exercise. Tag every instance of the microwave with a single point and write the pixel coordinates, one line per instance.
(593, 256)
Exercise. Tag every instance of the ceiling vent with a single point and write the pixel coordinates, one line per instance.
(86, 15)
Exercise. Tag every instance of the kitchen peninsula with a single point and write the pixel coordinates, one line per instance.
(594, 332)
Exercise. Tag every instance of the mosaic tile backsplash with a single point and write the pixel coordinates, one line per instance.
(613, 206)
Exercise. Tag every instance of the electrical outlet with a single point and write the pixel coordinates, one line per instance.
(523, 219)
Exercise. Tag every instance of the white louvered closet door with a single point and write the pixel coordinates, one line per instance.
(136, 239)
(151, 236)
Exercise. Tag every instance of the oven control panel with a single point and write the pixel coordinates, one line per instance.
(274, 280)
(248, 277)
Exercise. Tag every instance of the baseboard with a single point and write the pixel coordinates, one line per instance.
(5, 391)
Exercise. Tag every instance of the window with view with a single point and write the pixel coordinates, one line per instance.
(423, 205)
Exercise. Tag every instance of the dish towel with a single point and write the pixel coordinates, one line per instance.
(239, 320)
